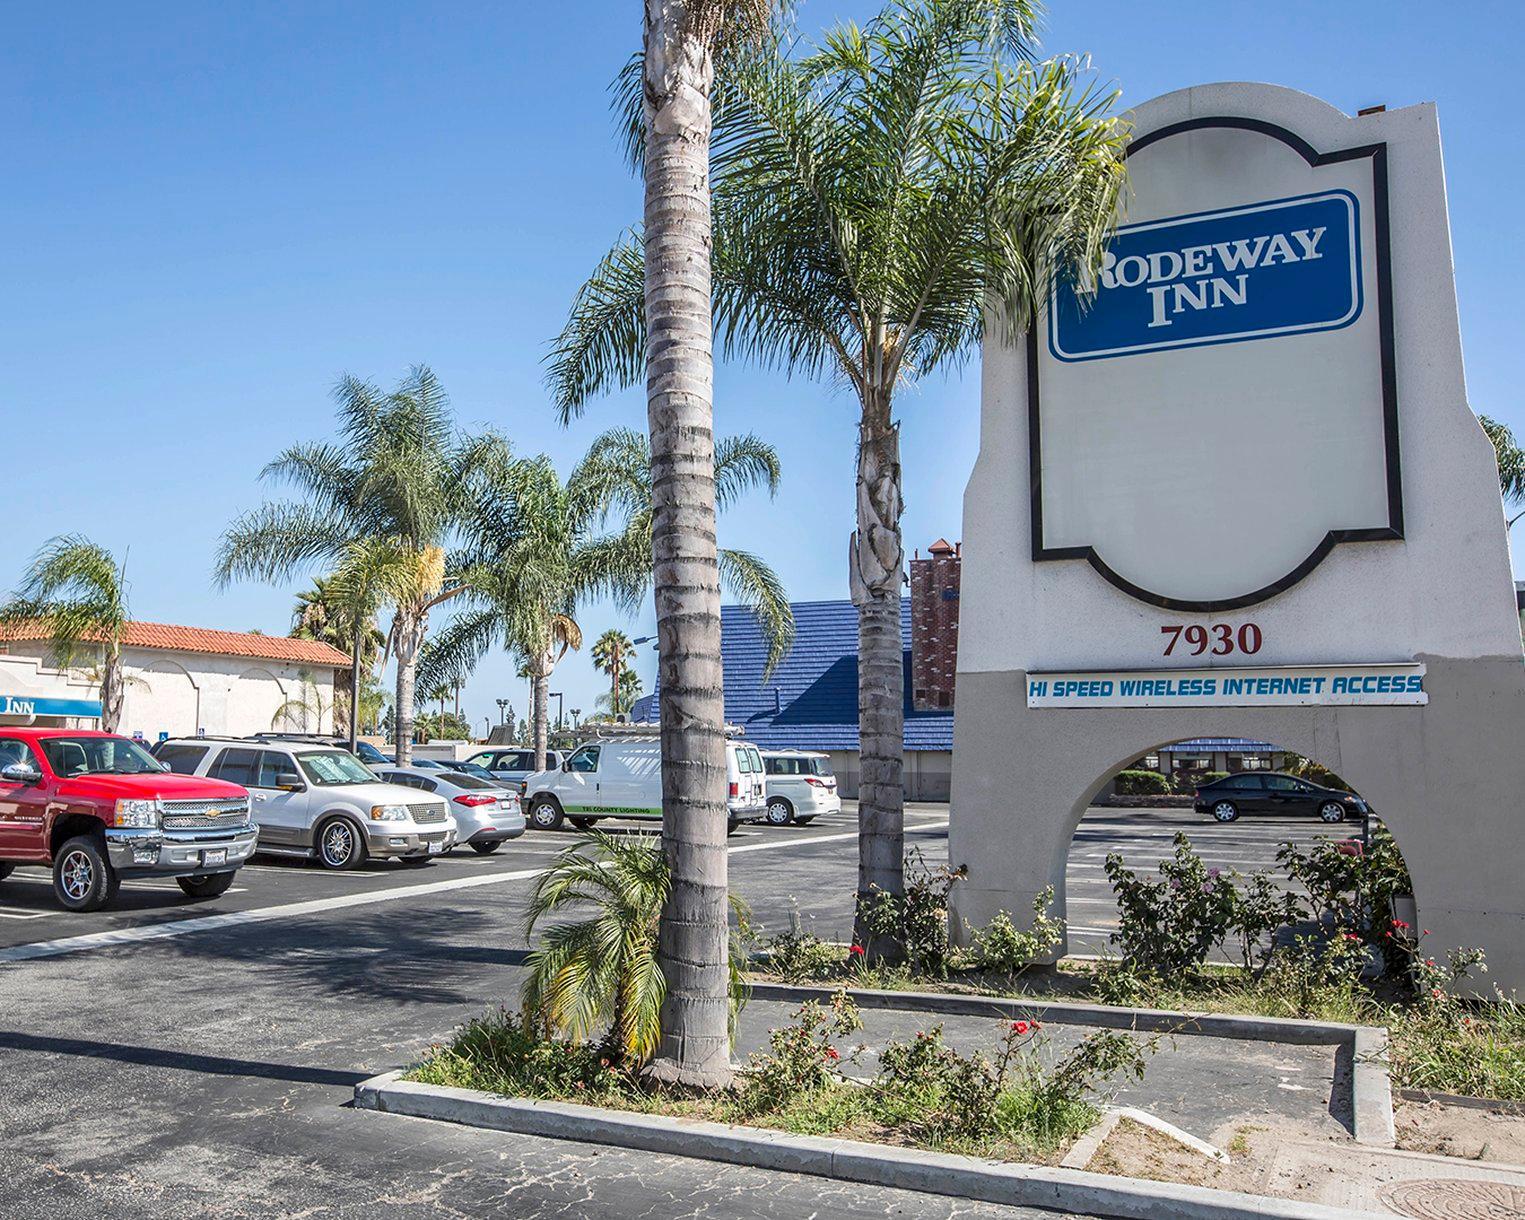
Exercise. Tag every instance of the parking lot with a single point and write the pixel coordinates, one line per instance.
(172, 1058)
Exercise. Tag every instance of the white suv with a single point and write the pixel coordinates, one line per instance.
(310, 799)
(801, 787)
(621, 777)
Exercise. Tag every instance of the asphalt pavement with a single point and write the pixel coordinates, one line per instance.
(179, 1058)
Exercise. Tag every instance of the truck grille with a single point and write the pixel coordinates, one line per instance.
(205, 815)
(424, 814)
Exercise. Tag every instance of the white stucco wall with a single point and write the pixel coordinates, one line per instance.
(180, 693)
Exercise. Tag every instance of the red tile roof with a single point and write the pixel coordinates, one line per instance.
(217, 643)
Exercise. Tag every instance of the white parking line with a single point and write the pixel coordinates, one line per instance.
(296, 910)
(20, 913)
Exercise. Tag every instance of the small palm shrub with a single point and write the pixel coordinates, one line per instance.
(601, 972)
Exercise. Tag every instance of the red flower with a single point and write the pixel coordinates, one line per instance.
(856, 951)
(1398, 923)
(1020, 1027)
(833, 1053)
(1435, 991)
(1351, 936)
(1426, 932)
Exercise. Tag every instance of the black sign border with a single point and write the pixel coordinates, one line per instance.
(1393, 531)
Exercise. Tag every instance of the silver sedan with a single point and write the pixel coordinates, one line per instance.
(486, 812)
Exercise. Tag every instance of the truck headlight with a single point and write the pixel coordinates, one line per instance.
(137, 814)
(389, 813)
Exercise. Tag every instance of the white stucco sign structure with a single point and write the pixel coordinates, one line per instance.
(1234, 488)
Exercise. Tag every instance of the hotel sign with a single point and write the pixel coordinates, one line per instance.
(1217, 411)
(1269, 686)
(1285, 267)
(30, 705)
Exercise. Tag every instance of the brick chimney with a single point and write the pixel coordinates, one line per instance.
(934, 625)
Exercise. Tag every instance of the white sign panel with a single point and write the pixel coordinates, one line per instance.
(1220, 409)
(1273, 686)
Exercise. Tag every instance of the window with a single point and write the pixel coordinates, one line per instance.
(334, 768)
(586, 759)
(819, 766)
(181, 759)
(743, 762)
(13, 752)
(98, 756)
(463, 780)
(237, 766)
(1243, 783)
(275, 768)
(1284, 783)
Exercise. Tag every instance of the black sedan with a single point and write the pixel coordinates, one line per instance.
(1272, 792)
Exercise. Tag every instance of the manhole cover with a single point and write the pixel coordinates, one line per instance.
(1456, 1199)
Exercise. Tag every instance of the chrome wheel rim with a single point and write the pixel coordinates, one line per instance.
(1332, 813)
(338, 843)
(543, 816)
(1223, 811)
(76, 875)
(778, 813)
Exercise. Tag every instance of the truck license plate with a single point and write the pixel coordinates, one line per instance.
(218, 856)
(436, 848)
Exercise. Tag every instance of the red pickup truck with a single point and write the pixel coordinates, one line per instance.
(96, 807)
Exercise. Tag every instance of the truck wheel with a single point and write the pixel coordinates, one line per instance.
(545, 813)
(6, 870)
(583, 823)
(731, 824)
(82, 876)
(486, 849)
(205, 887)
(341, 846)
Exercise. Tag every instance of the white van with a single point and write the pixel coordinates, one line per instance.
(621, 777)
(801, 787)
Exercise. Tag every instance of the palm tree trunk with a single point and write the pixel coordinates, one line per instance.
(112, 689)
(411, 625)
(877, 560)
(354, 687)
(540, 702)
(693, 936)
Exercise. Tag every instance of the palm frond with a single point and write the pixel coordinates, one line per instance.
(602, 347)
(757, 586)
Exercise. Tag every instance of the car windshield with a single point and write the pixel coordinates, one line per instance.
(819, 766)
(98, 756)
(470, 768)
(332, 768)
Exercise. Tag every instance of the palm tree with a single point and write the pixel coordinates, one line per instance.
(380, 506)
(538, 551)
(622, 458)
(1511, 460)
(872, 199)
(603, 971)
(307, 708)
(340, 610)
(611, 652)
(75, 593)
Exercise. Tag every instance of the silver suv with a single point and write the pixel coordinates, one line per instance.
(311, 799)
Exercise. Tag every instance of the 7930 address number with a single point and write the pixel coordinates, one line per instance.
(1219, 639)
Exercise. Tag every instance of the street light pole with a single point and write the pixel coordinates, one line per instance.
(560, 703)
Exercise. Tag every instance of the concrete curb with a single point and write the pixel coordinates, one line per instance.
(845, 1160)
(1371, 1100)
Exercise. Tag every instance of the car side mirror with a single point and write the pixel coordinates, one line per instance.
(289, 781)
(567, 766)
(20, 773)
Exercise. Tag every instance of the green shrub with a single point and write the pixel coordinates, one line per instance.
(1001, 948)
(1141, 783)
(917, 920)
(506, 1052)
(1171, 922)
(802, 1057)
(1189, 781)
(800, 957)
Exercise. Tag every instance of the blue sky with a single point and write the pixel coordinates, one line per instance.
(212, 211)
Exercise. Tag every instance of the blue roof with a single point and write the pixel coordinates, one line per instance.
(811, 700)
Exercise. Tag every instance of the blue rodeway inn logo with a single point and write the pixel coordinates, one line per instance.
(1284, 267)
